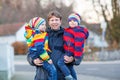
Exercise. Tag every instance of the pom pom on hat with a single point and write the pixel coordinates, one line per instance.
(36, 22)
(75, 17)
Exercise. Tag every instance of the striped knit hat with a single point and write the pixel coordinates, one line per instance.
(36, 22)
(75, 17)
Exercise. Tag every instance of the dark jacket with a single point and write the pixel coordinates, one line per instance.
(55, 40)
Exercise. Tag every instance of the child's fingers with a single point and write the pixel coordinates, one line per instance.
(38, 62)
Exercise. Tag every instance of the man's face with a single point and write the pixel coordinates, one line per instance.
(54, 23)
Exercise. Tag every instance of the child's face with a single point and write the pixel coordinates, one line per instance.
(54, 23)
(73, 23)
(42, 27)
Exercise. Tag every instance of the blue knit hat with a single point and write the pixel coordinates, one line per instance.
(75, 17)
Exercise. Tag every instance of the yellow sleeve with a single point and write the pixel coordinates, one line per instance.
(46, 44)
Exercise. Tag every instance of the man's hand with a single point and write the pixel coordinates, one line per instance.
(68, 59)
(38, 62)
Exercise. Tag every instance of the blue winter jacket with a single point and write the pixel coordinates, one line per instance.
(56, 45)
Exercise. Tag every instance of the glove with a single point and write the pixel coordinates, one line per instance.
(78, 61)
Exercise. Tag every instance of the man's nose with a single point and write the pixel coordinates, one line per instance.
(54, 21)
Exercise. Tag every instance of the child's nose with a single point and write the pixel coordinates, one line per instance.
(72, 20)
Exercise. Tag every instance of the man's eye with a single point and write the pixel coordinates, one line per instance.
(56, 19)
(51, 20)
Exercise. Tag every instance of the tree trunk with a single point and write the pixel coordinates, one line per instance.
(115, 44)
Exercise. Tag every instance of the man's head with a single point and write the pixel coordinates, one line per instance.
(54, 13)
(54, 20)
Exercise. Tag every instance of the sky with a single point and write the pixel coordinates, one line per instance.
(84, 8)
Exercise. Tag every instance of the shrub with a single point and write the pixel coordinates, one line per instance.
(20, 48)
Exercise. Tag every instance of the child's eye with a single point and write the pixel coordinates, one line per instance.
(73, 19)
(42, 24)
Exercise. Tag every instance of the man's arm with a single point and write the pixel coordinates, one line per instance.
(33, 62)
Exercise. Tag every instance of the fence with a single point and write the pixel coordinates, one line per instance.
(102, 56)
(6, 61)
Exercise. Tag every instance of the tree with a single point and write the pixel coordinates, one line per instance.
(52, 5)
(111, 15)
(23, 10)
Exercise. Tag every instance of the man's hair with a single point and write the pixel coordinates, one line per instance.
(54, 13)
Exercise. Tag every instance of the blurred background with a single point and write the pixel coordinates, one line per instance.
(101, 17)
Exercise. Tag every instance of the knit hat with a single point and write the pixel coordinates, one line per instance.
(75, 17)
(36, 22)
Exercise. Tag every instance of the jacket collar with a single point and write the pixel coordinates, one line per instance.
(49, 30)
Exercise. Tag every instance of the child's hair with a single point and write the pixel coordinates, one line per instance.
(54, 13)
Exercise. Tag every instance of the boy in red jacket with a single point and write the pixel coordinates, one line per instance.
(74, 39)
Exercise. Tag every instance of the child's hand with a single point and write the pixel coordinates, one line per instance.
(68, 59)
(38, 62)
(50, 61)
(78, 61)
